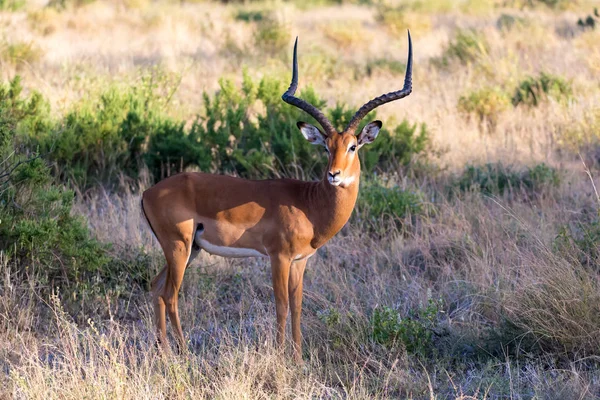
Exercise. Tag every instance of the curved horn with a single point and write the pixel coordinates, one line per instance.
(289, 98)
(385, 98)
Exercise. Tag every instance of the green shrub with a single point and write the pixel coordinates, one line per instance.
(12, 5)
(38, 231)
(171, 150)
(497, 179)
(270, 144)
(486, 104)
(249, 15)
(533, 90)
(377, 205)
(467, 47)
(101, 139)
(20, 53)
(561, 4)
(415, 331)
(506, 22)
(19, 116)
(385, 64)
(590, 21)
(397, 18)
(555, 4)
(67, 4)
(271, 37)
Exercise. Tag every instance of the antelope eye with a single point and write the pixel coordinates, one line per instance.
(353, 147)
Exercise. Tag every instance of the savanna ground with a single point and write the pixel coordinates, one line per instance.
(470, 268)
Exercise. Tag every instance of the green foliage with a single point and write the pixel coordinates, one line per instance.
(486, 104)
(377, 203)
(506, 22)
(533, 90)
(68, 4)
(118, 133)
(100, 139)
(12, 5)
(249, 15)
(385, 64)
(467, 47)
(497, 179)
(394, 18)
(20, 54)
(554, 4)
(590, 21)
(37, 227)
(267, 145)
(560, 4)
(270, 144)
(20, 115)
(171, 149)
(271, 37)
(415, 331)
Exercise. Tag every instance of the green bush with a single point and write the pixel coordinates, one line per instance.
(486, 104)
(415, 331)
(378, 204)
(506, 22)
(271, 36)
(250, 15)
(590, 21)
(101, 139)
(123, 130)
(555, 4)
(385, 64)
(467, 47)
(497, 179)
(267, 145)
(270, 145)
(68, 4)
(12, 5)
(561, 4)
(171, 150)
(533, 90)
(38, 231)
(19, 116)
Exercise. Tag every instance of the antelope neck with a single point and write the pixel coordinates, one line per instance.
(330, 208)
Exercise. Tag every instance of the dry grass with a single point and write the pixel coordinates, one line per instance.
(520, 310)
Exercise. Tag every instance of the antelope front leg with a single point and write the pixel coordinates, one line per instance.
(280, 270)
(295, 293)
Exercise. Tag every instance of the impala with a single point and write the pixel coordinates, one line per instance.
(285, 220)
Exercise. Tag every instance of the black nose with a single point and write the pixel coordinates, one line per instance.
(333, 174)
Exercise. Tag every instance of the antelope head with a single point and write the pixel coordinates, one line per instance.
(343, 167)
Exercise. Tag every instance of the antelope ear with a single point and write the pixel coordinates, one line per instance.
(369, 133)
(311, 133)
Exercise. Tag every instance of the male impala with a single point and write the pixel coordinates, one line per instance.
(285, 220)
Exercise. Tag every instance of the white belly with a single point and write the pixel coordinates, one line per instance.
(224, 251)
